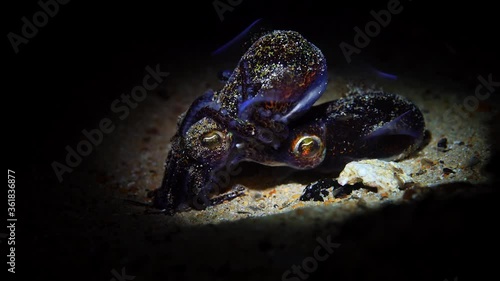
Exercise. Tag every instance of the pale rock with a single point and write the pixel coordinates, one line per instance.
(383, 175)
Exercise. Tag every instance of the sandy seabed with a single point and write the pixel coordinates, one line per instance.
(268, 230)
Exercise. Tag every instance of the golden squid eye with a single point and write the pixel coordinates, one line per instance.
(212, 140)
(308, 146)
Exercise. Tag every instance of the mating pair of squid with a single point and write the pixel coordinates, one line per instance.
(265, 114)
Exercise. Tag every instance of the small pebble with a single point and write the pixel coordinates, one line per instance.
(448, 171)
(442, 144)
(253, 208)
(473, 161)
(420, 172)
(286, 204)
(426, 162)
(257, 195)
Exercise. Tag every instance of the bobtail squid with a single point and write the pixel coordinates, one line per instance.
(264, 113)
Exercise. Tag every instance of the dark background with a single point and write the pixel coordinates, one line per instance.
(86, 56)
(65, 78)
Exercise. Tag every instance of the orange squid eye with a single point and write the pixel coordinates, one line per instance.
(307, 146)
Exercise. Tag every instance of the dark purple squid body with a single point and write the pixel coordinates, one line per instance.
(373, 125)
(265, 114)
(276, 81)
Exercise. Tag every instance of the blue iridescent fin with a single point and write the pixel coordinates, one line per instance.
(235, 39)
(312, 94)
(384, 74)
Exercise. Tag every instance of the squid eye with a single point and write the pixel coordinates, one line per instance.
(212, 140)
(308, 146)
